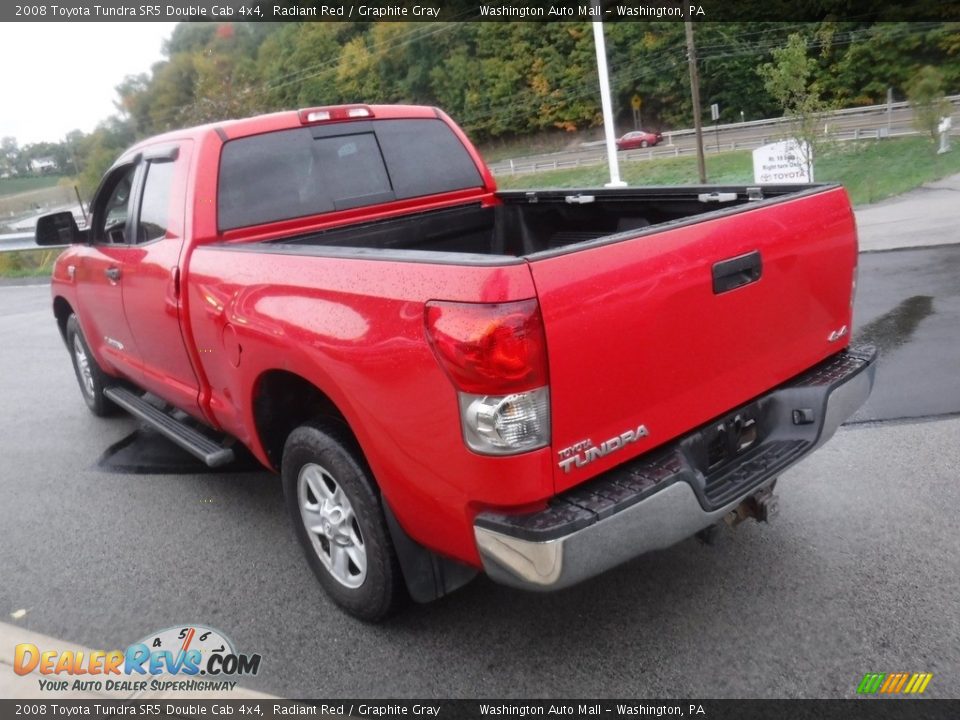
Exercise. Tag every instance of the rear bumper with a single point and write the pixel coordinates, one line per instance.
(672, 493)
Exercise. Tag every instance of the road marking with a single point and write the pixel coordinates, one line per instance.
(23, 687)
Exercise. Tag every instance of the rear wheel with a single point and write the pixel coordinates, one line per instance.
(90, 377)
(339, 521)
(643, 143)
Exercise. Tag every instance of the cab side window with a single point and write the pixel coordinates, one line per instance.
(155, 205)
(112, 217)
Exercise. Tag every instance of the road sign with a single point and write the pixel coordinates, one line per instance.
(636, 101)
(715, 112)
(788, 161)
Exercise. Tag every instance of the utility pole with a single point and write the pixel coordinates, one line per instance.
(695, 93)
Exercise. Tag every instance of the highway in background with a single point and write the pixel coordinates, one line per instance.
(843, 125)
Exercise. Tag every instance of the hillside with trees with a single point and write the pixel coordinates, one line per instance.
(497, 80)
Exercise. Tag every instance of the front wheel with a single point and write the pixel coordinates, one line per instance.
(644, 144)
(90, 377)
(339, 521)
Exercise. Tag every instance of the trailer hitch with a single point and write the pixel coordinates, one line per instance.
(762, 506)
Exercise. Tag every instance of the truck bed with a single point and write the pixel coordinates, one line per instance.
(525, 223)
(662, 307)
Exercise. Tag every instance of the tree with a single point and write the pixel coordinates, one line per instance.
(790, 81)
(133, 101)
(172, 91)
(297, 66)
(926, 96)
(9, 156)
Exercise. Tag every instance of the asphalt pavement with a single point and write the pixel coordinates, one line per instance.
(859, 573)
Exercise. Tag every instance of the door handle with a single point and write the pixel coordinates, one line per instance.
(737, 272)
(113, 273)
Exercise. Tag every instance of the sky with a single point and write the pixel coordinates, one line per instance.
(59, 77)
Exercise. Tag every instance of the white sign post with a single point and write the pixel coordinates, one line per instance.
(944, 129)
(789, 161)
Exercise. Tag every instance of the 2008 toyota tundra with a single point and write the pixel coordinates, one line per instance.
(448, 378)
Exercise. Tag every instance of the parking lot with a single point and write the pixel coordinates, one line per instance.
(859, 573)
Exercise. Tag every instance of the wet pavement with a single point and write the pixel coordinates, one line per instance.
(908, 305)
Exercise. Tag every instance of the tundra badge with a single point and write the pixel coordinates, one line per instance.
(585, 452)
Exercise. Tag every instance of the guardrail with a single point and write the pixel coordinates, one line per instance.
(866, 110)
(20, 241)
(589, 150)
(589, 160)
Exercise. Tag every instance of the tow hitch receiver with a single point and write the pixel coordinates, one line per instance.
(761, 506)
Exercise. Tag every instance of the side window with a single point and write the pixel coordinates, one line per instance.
(111, 221)
(155, 205)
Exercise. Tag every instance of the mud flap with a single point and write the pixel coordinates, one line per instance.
(428, 576)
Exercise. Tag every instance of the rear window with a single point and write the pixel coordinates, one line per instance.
(310, 170)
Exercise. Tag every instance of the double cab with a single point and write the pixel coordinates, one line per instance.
(448, 378)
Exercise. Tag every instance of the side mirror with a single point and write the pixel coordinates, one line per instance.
(59, 229)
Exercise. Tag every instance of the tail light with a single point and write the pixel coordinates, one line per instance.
(495, 355)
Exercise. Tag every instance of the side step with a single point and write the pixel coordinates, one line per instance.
(194, 442)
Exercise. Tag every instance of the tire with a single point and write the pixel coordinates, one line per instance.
(338, 519)
(91, 379)
(644, 143)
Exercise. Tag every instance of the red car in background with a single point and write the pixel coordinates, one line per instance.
(638, 139)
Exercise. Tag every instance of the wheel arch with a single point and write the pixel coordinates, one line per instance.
(281, 402)
(62, 310)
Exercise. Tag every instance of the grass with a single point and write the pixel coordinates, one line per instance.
(28, 263)
(870, 170)
(15, 185)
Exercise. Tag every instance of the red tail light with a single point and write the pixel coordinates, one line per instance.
(489, 349)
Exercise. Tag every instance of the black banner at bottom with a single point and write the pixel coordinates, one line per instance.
(867, 709)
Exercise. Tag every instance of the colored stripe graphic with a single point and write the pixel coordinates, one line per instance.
(870, 683)
(894, 683)
(888, 683)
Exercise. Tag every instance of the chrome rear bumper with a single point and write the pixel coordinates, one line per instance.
(664, 497)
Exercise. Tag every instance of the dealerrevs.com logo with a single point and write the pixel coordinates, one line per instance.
(185, 658)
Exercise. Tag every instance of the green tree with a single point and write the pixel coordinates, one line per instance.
(172, 89)
(297, 66)
(133, 101)
(9, 156)
(100, 149)
(225, 75)
(357, 76)
(790, 81)
(927, 100)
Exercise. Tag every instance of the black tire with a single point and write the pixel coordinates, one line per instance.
(644, 144)
(92, 386)
(323, 453)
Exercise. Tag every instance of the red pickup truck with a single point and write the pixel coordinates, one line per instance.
(449, 378)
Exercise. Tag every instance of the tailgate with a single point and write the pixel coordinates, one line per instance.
(653, 336)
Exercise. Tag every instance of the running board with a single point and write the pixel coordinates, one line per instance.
(194, 442)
